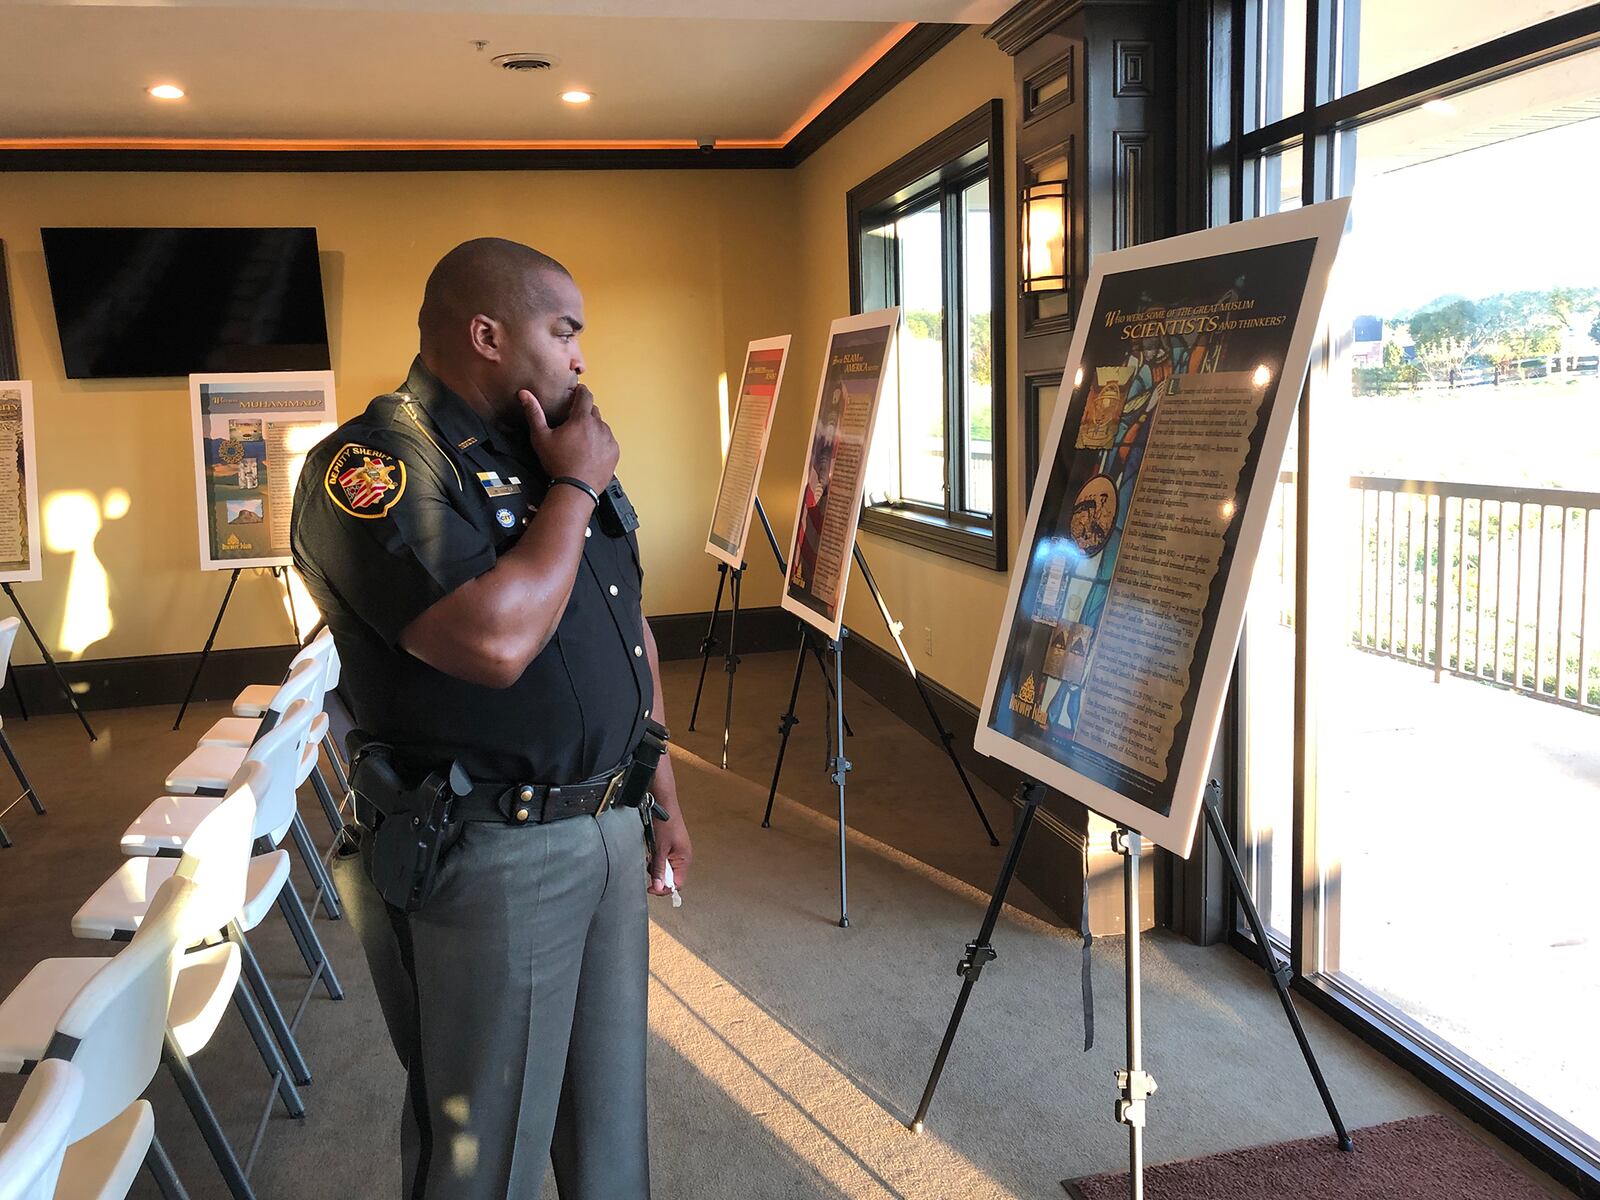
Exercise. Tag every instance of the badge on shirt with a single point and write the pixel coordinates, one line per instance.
(365, 482)
(506, 518)
(495, 486)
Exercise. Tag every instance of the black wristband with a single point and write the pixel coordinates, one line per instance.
(580, 485)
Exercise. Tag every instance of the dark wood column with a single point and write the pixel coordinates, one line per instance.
(1095, 99)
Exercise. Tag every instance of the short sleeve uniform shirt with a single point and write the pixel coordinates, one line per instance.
(404, 504)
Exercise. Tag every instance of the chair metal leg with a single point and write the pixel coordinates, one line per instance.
(5, 842)
(259, 984)
(331, 902)
(22, 776)
(330, 806)
(206, 1118)
(310, 945)
(268, 1049)
(160, 1168)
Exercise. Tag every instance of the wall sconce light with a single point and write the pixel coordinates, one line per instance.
(1044, 237)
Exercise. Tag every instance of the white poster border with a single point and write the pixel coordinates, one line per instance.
(878, 319)
(1175, 831)
(323, 380)
(34, 571)
(774, 343)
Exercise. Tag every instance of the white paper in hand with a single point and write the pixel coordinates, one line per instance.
(666, 878)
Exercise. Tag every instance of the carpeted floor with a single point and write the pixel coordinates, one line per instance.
(1420, 1156)
(785, 1053)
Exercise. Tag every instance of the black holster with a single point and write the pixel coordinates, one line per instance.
(409, 822)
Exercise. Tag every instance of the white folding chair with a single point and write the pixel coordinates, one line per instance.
(34, 1140)
(209, 766)
(206, 976)
(117, 907)
(255, 702)
(166, 825)
(8, 638)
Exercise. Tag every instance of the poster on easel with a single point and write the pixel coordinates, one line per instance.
(251, 435)
(747, 449)
(19, 485)
(859, 358)
(1127, 598)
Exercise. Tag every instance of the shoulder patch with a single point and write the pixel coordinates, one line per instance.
(364, 482)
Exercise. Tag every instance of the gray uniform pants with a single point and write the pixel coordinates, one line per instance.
(516, 1001)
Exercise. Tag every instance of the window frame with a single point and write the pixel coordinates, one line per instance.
(944, 166)
(1230, 96)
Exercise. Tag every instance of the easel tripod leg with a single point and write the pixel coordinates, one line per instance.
(730, 663)
(709, 642)
(841, 767)
(1278, 971)
(785, 724)
(1134, 1085)
(206, 653)
(50, 662)
(979, 951)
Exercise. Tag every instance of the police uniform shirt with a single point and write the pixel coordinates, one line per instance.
(404, 504)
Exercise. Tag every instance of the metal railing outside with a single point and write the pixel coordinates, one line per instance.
(1487, 583)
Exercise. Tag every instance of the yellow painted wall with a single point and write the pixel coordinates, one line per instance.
(959, 602)
(679, 270)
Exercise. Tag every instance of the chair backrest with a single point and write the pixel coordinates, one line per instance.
(304, 682)
(8, 638)
(216, 856)
(35, 1136)
(112, 1029)
(281, 751)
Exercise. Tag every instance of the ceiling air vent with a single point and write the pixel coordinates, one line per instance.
(524, 60)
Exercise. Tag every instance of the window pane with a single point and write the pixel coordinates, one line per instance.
(978, 350)
(1281, 63)
(1455, 628)
(1384, 38)
(1278, 182)
(919, 237)
(878, 257)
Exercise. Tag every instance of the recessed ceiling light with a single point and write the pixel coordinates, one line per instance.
(1440, 108)
(577, 96)
(166, 91)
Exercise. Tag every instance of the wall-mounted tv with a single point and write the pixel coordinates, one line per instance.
(154, 302)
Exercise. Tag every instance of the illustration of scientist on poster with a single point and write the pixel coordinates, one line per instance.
(1188, 358)
(251, 434)
(19, 485)
(835, 477)
(747, 449)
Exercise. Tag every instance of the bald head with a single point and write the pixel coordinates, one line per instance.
(492, 277)
(497, 318)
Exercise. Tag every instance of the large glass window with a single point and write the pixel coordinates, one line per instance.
(928, 239)
(1421, 667)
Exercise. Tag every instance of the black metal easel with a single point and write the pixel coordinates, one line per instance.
(233, 579)
(838, 765)
(730, 661)
(1134, 1084)
(50, 662)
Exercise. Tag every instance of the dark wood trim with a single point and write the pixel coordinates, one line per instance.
(313, 161)
(162, 678)
(909, 53)
(1025, 22)
(10, 366)
(102, 683)
(932, 532)
(904, 57)
(760, 630)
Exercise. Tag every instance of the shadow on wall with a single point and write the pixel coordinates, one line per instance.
(72, 521)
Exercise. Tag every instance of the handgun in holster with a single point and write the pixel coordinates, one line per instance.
(636, 783)
(410, 823)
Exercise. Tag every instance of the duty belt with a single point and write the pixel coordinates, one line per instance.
(541, 803)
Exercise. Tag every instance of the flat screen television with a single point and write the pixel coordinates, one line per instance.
(155, 302)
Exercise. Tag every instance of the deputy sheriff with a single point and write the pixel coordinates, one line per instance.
(474, 557)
